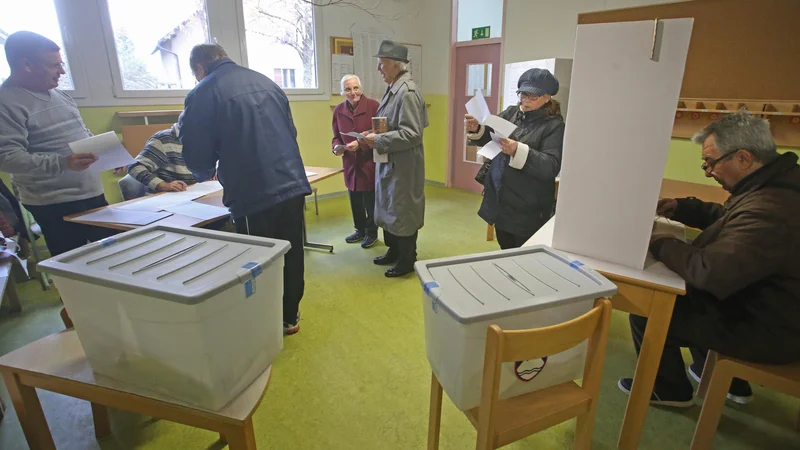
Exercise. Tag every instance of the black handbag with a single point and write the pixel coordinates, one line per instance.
(480, 177)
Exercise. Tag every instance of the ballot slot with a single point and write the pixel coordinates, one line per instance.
(125, 249)
(215, 268)
(147, 253)
(193, 262)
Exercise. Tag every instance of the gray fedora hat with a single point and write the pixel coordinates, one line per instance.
(393, 50)
(537, 82)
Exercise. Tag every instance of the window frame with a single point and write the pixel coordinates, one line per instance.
(116, 72)
(71, 51)
(320, 49)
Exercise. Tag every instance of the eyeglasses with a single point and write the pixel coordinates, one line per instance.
(709, 165)
(524, 95)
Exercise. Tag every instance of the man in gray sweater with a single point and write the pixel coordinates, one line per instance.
(37, 123)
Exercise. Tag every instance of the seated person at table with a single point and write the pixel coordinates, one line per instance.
(742, 272)
(160, 165)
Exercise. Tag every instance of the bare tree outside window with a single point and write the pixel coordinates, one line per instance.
(280, 34)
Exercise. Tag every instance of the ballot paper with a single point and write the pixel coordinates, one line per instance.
(477, 108)
(354, 134)
(205, 188)
(11, 249)
(198, 210)
(155, 203)
(310, 174)
(378, 158)
(490, 150)
(109, 150)
(115, 215)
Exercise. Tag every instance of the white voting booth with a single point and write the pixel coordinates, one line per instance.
(626, 79)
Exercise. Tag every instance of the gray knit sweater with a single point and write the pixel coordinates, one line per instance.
(35, 131)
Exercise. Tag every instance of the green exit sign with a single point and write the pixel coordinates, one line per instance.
(481, 33)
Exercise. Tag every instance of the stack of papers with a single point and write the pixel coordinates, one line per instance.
(115, 215)
(163, 202)
(198, 210)
(477, 108)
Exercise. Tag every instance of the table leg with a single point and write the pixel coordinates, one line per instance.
(13, 296)
(646, 368)
(307, 244)
(242, 438)
(29, 412)
(102, 423)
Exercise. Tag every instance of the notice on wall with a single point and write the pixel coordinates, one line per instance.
(365, 46)
(341, 65)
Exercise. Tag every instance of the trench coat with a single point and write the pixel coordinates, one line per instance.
(359, 167)
(400, 183)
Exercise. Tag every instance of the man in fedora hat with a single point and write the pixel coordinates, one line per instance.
(400, 178)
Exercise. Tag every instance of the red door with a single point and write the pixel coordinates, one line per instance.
(477, 67)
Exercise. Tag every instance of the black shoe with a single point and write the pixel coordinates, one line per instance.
(369, 241)
(358, 236)
(398, 271)
(387, 259)
(675, 399)
(739, 392)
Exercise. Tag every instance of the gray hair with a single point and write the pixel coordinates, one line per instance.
(349, 77)
(741, 131)
(204, 54)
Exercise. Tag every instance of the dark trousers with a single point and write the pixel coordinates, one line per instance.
(696, 327)
(508, 240)
(404, 247)
(283, 221)
(62, 236)
(362, 203)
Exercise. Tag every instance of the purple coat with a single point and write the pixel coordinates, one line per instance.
(359, 166)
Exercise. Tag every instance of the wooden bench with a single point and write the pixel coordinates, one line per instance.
(57, 363)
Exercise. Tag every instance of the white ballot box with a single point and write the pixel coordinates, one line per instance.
(193, 314)
(516, 289)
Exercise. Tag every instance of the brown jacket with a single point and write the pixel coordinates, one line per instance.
(745, 265)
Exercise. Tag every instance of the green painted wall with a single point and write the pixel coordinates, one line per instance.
(683, 162)
(313, 121)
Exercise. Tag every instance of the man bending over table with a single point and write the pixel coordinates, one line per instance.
(742, 272)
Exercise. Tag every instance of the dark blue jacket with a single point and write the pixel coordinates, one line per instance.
(242, 119)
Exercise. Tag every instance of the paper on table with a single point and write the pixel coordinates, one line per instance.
(115, 215)
(109, 150)
(155, 203)
(205, 188)
(198, 210)
(310, 174)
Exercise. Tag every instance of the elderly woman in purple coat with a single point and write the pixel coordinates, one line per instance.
(355, 115)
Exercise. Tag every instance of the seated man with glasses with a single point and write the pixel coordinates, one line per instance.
(742, 272)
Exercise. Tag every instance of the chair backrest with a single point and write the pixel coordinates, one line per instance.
(131, 188)
(520, 345)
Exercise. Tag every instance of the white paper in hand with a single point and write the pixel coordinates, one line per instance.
(501, 127)
(477, 107)
(109, 150)
(490, 150)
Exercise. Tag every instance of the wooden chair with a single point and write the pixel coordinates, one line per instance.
(501, 422)
(718, 373)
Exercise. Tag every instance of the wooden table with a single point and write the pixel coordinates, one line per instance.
(214, 199)
(57, 363)
(650, 293)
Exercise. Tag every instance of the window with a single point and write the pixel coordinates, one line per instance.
(153, 39)
(284, 78)
(38, 16)
(281, 40)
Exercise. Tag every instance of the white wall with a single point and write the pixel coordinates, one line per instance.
(424, 22)
(541, 29)
(479, 13)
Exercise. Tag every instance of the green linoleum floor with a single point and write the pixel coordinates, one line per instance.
(356, 376)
